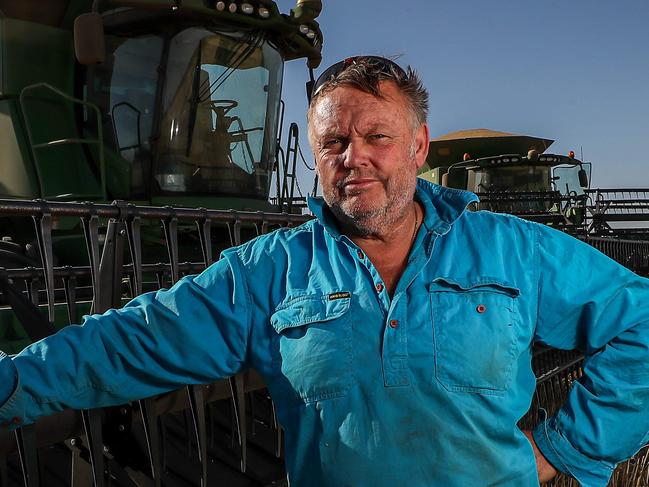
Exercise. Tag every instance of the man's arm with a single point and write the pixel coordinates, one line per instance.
(194, 333)
(588, 302)
(544, 469)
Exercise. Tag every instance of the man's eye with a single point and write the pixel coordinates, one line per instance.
(331, 143)
(378, 136)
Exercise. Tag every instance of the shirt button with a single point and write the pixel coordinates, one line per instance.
(360, 255)
(379, 287)
(481, 308)
(394, 323)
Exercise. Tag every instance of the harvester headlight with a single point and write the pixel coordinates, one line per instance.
(304, 29)
(264, 13)
(310, 34)
(505, 159)
(232, 8)
(220, 6)
(247, 9)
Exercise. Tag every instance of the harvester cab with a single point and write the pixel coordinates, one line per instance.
(154, 102)
(170, 102)
(512, 174)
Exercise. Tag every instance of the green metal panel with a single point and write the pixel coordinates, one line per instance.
(432, 175)
(62, 165)
(118, 174)
(33, 53)
(18, 178)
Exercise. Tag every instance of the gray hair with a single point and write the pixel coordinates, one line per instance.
(365, 74)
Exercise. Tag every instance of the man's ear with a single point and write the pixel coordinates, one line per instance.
(422, 139)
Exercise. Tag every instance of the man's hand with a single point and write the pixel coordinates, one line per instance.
(544, 469)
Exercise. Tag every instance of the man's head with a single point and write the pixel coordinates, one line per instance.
(367, 128)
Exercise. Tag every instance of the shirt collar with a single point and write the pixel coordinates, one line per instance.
(442, 207)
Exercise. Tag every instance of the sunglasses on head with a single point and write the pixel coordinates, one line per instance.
(385, 66)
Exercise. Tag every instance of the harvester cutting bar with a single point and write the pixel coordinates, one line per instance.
(633, 254)
(548, 207)
(618, 205)
(37, 208)
(97, 438)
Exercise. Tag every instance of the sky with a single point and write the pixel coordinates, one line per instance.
(576, 71)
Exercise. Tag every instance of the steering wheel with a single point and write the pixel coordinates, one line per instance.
(224, 105)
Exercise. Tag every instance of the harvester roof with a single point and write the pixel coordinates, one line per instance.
(450, 148)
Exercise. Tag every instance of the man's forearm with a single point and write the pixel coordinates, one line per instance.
(544, 468)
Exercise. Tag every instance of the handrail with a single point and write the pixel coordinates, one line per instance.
(72, 140)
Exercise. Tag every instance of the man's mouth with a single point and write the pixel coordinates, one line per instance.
(356, 185)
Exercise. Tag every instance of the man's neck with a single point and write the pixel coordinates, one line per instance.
(388, 250)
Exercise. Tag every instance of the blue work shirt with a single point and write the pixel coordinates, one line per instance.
(422, 389)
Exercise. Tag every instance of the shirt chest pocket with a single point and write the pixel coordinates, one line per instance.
(312, 354)
(474, 334)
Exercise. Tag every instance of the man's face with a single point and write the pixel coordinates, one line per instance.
(367, 154)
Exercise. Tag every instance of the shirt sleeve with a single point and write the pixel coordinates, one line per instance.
(194, 333)
(589, 302)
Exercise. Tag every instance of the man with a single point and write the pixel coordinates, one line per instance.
(393, 331)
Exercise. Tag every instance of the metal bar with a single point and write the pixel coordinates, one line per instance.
(92, 426)
(152, 435)
(63, 272)
(66, 141)
(34, 323)
(32, 290)
(197, 406)
(278, 430)
(44, 237)
(110, 267)
(38, 207)
(80, 472)
(91, 233)
(135, 246)
(170, 226)
(237, 389)
(70, 288)
(558, 369)
(26, 440)
(205, 235)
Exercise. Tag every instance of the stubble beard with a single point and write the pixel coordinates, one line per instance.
(374, 219)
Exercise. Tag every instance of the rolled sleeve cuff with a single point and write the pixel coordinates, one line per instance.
(10, 410)
(565, 458)
(7, 377)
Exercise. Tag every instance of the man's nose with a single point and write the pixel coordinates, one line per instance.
(357, 154)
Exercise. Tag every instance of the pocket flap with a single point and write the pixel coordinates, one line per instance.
(475, 284)
(303, 310)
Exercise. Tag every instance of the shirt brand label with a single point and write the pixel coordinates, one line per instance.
(334, 296)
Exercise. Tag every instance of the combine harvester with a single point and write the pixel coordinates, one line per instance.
(514, 174)
(174, 106)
